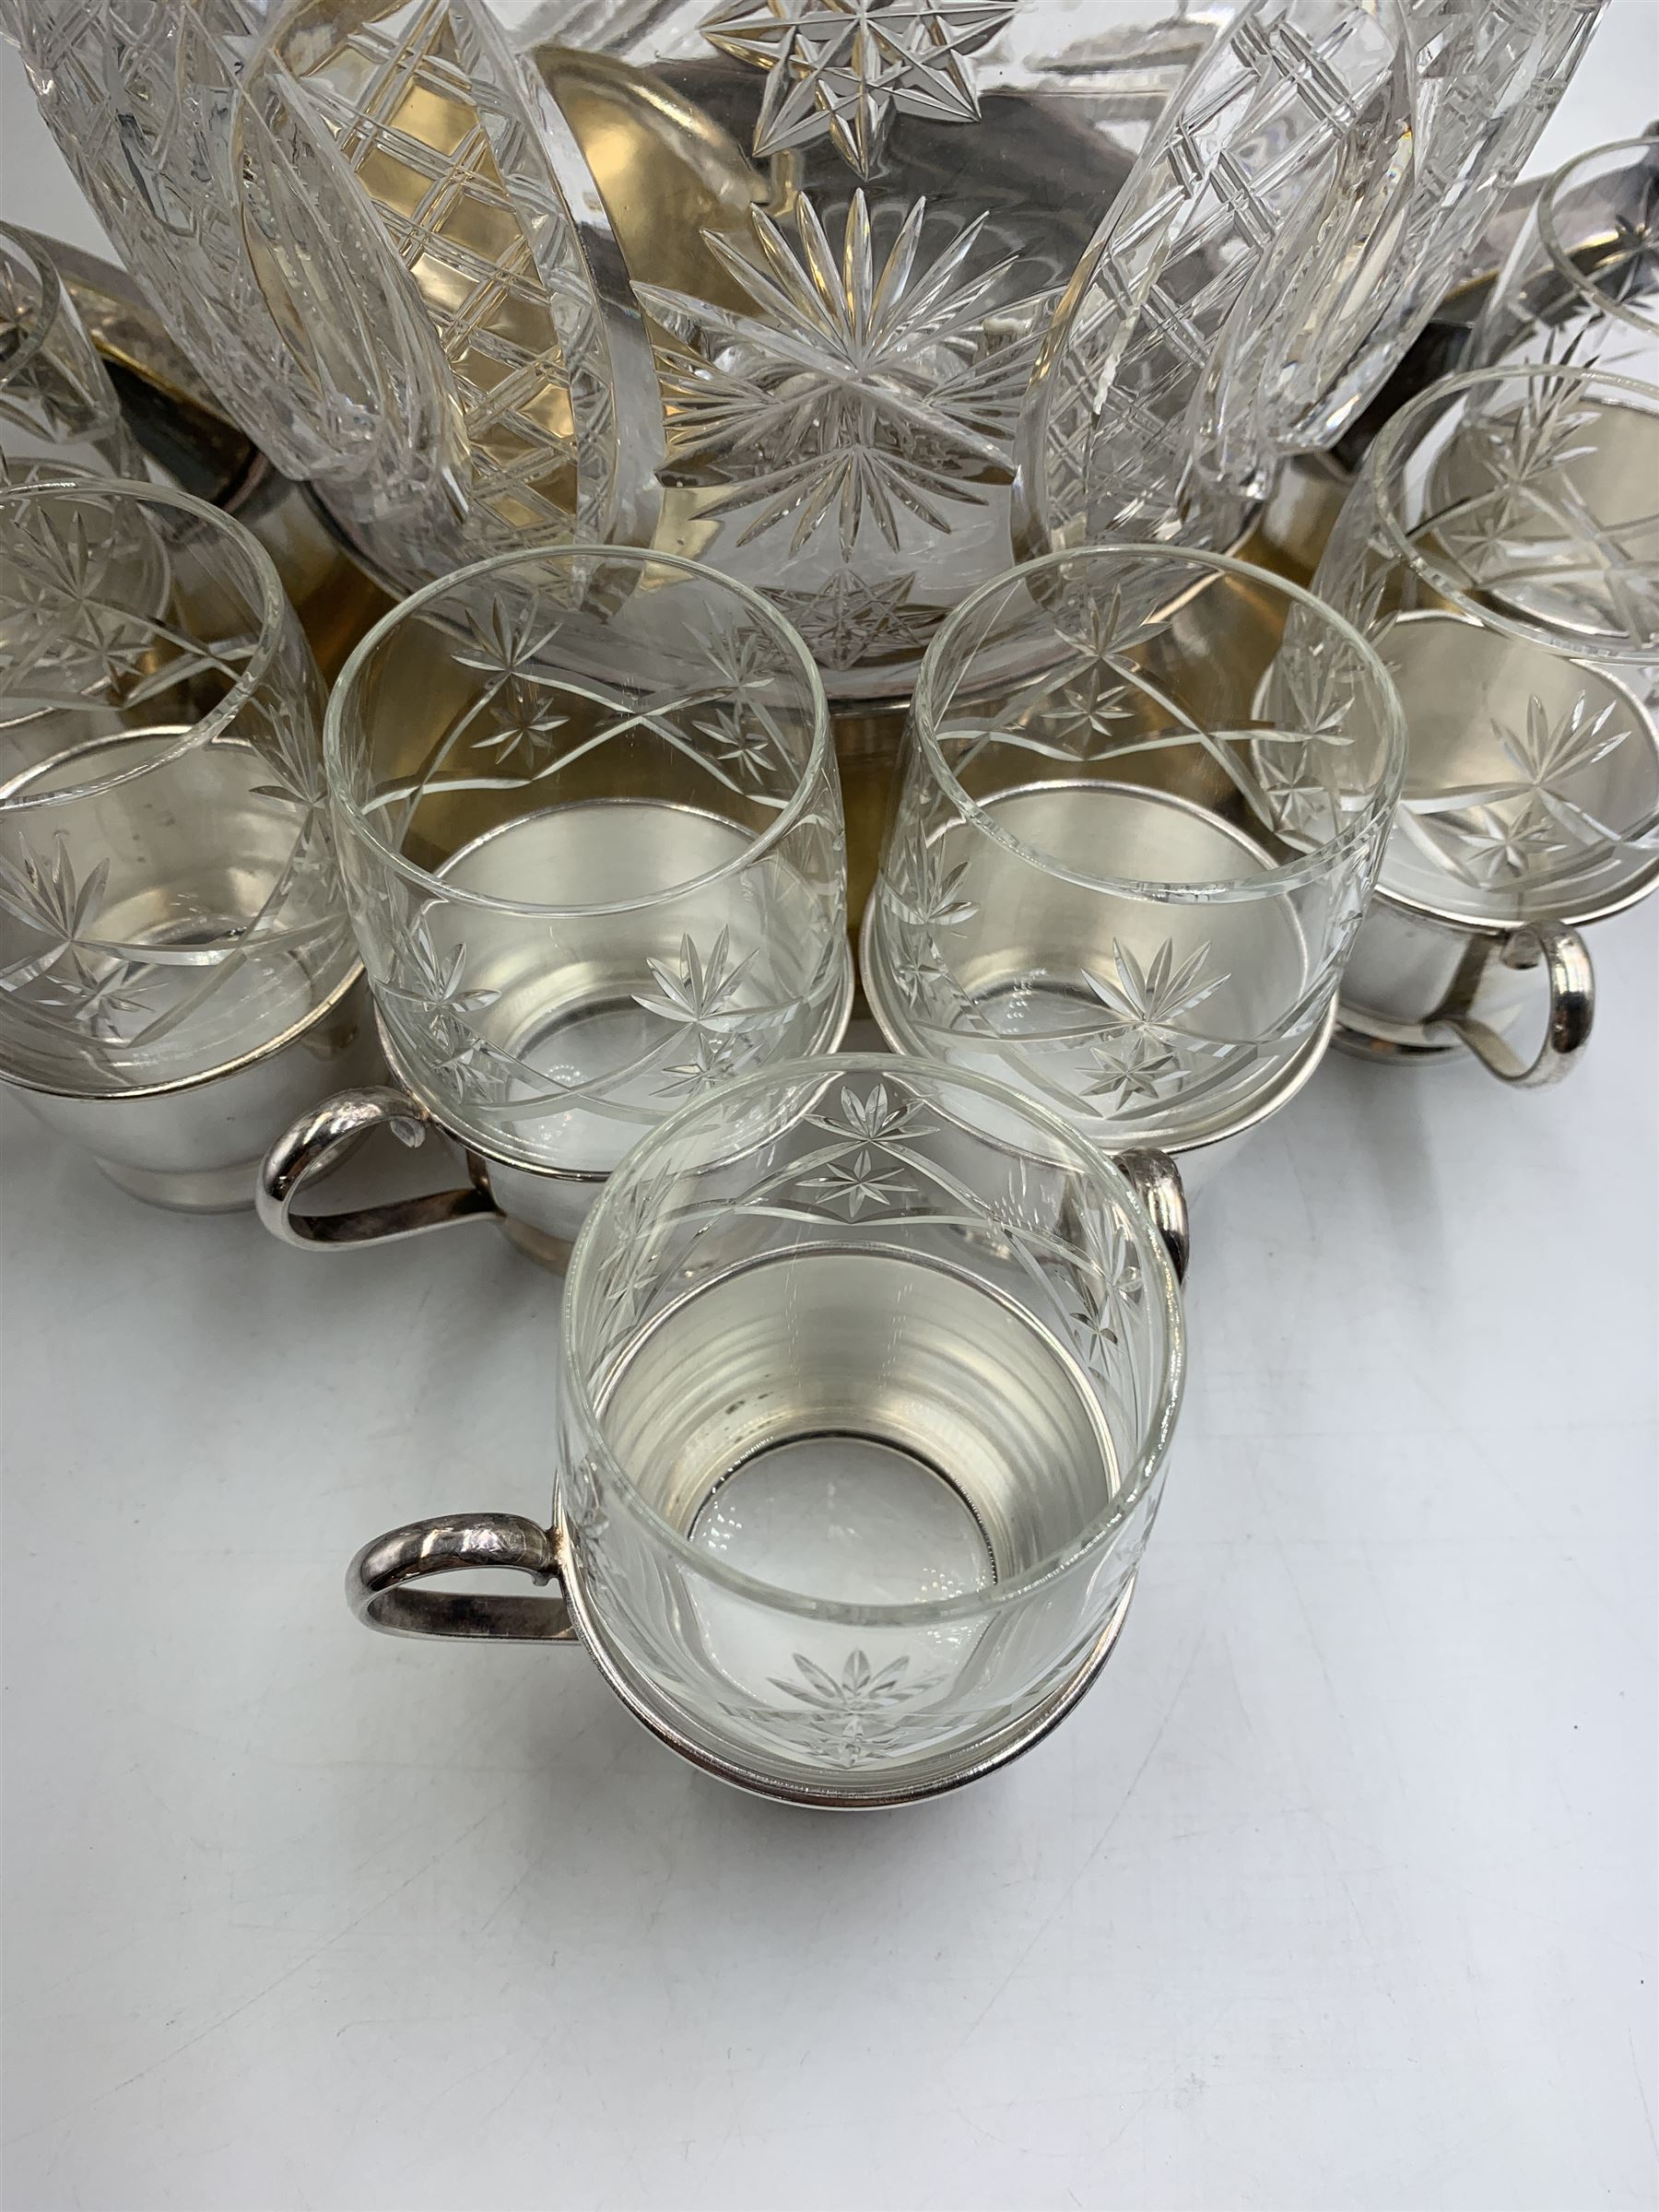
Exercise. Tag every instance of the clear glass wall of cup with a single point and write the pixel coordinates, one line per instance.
(870, 1368)
(1581, 281)
(176, 969)
(587, 809)
(1143, 797)
(58, 408)
(1501, 551)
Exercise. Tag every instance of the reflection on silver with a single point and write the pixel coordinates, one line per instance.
(870, 1371)
(1500, 549)
(1131, 839)
(196, 1145)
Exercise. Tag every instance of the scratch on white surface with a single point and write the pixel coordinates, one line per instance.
(1647, 2110)
(288, 1973)
(1064, 1898)
(523, 2076)
(1117, 2134)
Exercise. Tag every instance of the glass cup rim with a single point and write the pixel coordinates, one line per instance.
(1560, 255)
(13, 237)
(1158, 1429)
(1310, 866)
(273, 609)
(1389, 452)
(432, 886)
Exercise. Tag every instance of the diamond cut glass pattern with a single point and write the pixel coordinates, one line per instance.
(451, 138)
(1485, 80)
(855, 300)
(1276, 157)
(247, 234)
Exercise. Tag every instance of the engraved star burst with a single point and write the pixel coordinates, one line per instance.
(850, 1711)
(859, 1180)
(1146, 1004)
(1495, 833)
(52, 611)
(73, 974)
(842, 69)
(848, 621)
(700, 996)
(1142, 1045)
(849, 390)
(520, 705)
(1131, 1068)
(742, 742)
(926, 899)
(1517, 455)
(697, 992)
(876, 1118)
(431, 993)
(1106, 1296)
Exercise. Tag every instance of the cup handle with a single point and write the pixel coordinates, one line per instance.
(1572, 1007)
(1158, 1185)
(314, 1144)
(377, 1580)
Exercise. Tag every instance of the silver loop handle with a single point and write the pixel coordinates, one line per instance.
(1158, 1186)
(377, 1580)
(1572, 1007)
(314, 1144)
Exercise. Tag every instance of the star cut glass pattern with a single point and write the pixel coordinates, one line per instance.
(722, 1021)
(728, 1276)
(68, 971)
(167, 896)
(855, 395)
(1503, 550)
(847, 620)
(855, 1715)
(1127, 879)
(593, 845)
(1536, 819)
(842, 69)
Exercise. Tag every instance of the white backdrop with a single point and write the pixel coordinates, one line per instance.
(1339, 1891)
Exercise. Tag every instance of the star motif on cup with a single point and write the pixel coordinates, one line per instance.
(431, 993)
(875, 1118)
(1523, 824)
(69, 971)
(1131, 1069)
(849, 1711)
(1106, 1295)
(858, 1179)
(1148, 1003)
(842, 69)
(701, 995)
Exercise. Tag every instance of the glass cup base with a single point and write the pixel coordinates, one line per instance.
(821, 1793)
